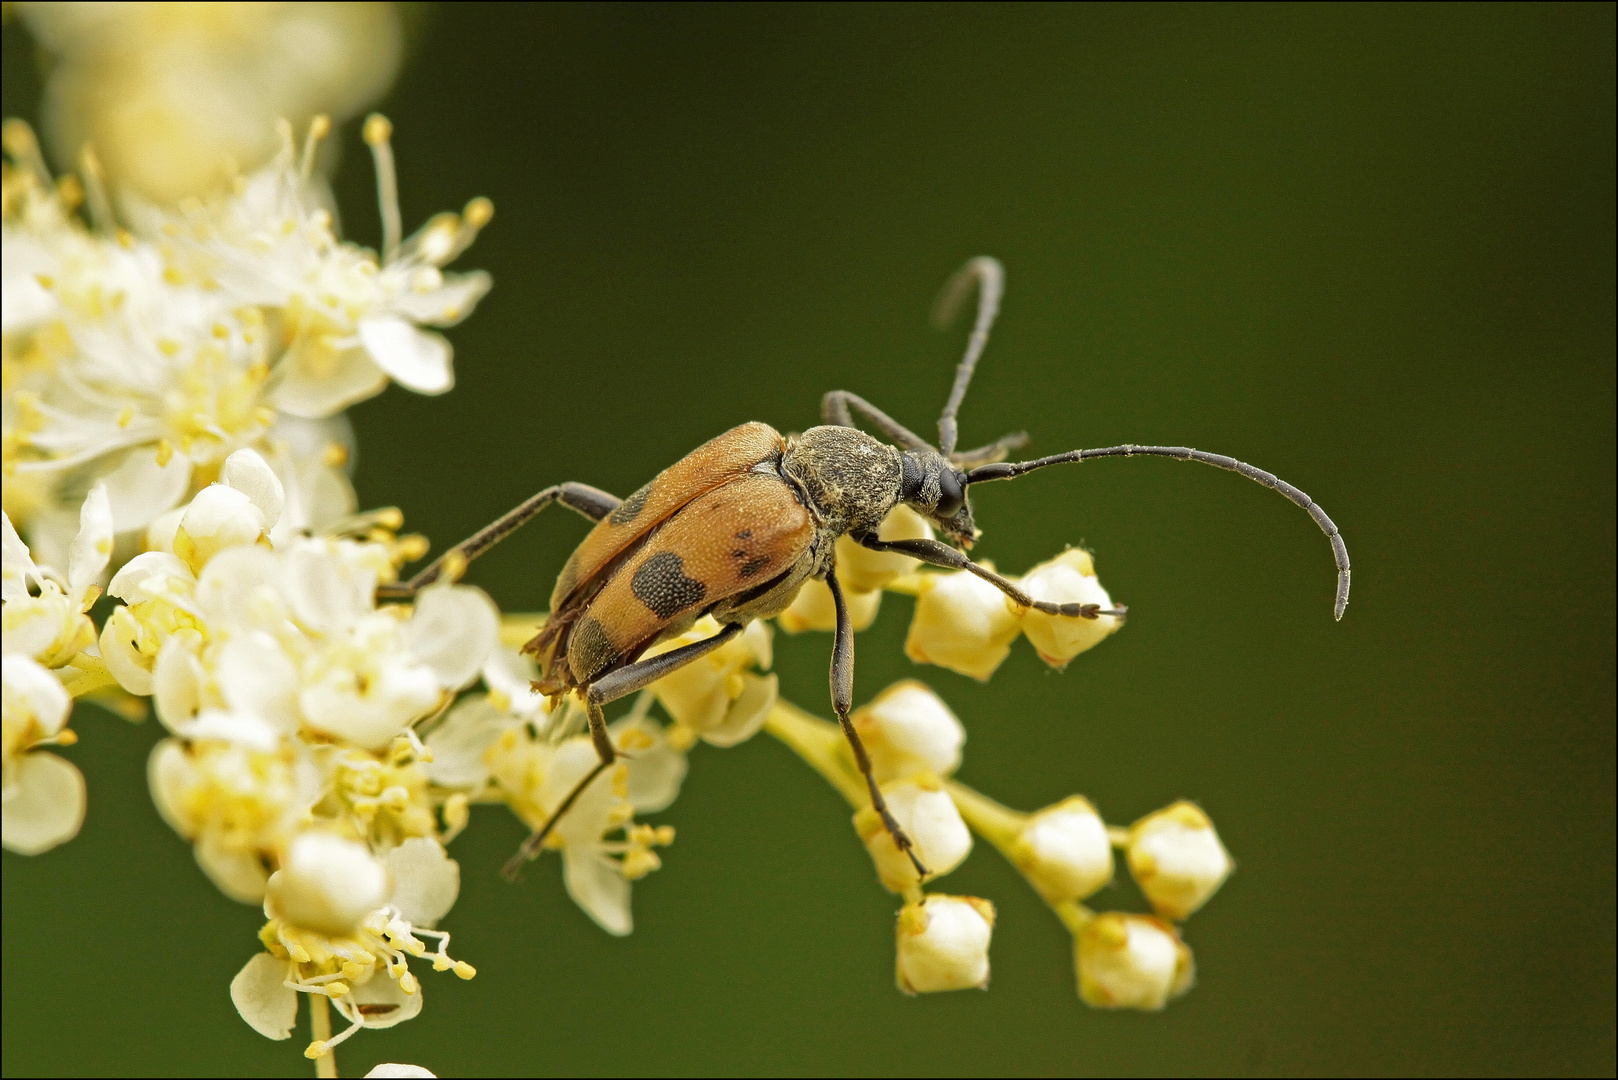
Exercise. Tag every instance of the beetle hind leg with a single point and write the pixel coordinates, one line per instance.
(842, 702)
(590, 502)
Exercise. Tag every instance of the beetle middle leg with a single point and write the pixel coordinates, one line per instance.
(940, 554)
(590, 502)
(609, 688)
(842, 701)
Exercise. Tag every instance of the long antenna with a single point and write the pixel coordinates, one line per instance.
(990, 278)
(1339, 550)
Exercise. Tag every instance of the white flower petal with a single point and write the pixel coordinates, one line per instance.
(416, 359)
(249, 473)
(426, 881)
(16, 565)
(238, 588)
(597, 885)
(449, 303)
(390, 1069)
(317, 389)
(461, 739)
(944, 944)
(240, 875)
(92, 547)
(453, 631)
(46, 805)
(656, 769)
(149, 575)
(140, 489)
(326, 595)
(379, 992)
(746, 715)
(177, 685)
(261, 997)
(170, 774)
(327, 884)
(32, 694)
(124, 660)
(509, 672)
(258, 679)
(243, 729)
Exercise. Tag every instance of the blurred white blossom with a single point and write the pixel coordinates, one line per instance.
(43, 797)
(1131, 962)
(1176, 857)
(944, 944)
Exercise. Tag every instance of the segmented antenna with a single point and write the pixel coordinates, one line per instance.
(990, 278)
(1339, 550)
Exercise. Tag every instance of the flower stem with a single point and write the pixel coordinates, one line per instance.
(320, 1029)
(999, 825)
(820, 743)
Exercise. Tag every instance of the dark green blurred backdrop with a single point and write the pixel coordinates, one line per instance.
(1369, 248)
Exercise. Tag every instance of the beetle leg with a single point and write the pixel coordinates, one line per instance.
(939, 554)
(593, 503)
(834, 409)
(842, 701)
(621, 683)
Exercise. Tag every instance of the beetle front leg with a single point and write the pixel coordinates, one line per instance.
(609, 688)
(590, 502)
(842, 702)
(942, 555)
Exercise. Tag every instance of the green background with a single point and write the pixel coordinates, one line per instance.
(1368, 248)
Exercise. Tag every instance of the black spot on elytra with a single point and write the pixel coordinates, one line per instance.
(745, 534)
(661, 585)
(753, 566)
(631, 506)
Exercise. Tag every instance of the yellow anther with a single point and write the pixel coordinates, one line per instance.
(456, 811)
(45, 280)
(126, 416)
(442, 963)
(465, 970)
(264, 415)
(317, 1049)
(453, 567)
(352, 970)
(335, 456)
(665, 835)
(620, 781)
(377, 129)
(319, 127)
(478, 212)
(408, 983)
(18, 138)
(126, 239)
(66, 737)
(334, 989)
(412, 547)
(70, 191)
(639, 862)
(165, 451)
(390, 517)
(168, 346)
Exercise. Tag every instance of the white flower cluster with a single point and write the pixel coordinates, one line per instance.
(141, 358)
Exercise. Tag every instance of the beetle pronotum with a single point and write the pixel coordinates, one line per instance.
(735, 528)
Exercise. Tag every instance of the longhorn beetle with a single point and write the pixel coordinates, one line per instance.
(735, 528)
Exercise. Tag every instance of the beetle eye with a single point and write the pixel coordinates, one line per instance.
(951, 494)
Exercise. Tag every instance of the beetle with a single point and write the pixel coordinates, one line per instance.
(735, 528)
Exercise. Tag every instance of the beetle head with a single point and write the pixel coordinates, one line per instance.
(937, 490)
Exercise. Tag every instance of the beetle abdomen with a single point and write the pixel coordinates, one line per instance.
(736, 538)
(705, 468)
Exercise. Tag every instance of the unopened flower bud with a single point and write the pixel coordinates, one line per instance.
(929, 818)
(944, 944)
(962, 623)
(860, 569)
(1131, 962)
(326, 884)
(219, 517)
(1063, 851)
(813, 608)
(1070, 578)
(908, 729)
(1177, 859)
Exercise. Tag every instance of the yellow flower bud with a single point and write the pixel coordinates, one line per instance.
(327, 884)
(1070, 578)
(944, 944)
(1131, 962)
(813, 609)
(1063, 851)
(1176, 857)
(908, 729)
(962, 623)
(928, 816)
(860, 569)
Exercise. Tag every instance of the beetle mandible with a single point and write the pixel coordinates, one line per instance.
(735, 528)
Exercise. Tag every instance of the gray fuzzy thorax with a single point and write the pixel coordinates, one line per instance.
(851, 480)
